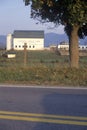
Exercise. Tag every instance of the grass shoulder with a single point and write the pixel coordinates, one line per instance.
(42, 68)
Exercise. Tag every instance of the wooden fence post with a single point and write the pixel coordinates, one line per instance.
(25, 54)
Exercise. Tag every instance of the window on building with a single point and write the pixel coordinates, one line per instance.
(15, 46)
(82, 47)
(33, 46)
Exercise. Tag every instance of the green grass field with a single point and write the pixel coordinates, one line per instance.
(42, 68)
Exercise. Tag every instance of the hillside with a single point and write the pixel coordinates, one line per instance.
(54, 38)
(2, 41)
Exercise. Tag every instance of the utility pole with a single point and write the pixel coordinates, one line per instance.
(25, 54)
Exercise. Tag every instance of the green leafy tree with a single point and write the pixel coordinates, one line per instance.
(70, 13)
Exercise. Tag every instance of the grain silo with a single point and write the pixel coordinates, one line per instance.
(9, 42)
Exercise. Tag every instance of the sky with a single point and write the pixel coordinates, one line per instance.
(14, 15)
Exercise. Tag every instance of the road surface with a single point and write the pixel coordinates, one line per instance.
(31, 108)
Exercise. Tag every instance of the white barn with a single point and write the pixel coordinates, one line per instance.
(33, 39)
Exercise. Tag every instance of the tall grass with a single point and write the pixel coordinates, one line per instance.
(43, 67)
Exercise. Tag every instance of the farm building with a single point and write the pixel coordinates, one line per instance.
(34, 40)
(65, 46)
(83, 47)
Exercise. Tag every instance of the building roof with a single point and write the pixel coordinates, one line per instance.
(28, 34)
(64, 43)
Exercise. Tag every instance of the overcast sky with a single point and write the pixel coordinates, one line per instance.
(14, 15)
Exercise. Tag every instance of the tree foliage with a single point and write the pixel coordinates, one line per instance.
(66, 12)
(70, 13)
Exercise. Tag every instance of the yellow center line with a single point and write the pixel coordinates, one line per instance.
(45, 118)
(43, 115)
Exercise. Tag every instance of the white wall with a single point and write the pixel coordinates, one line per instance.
(64, 47)
(32, 43)
(83, 47)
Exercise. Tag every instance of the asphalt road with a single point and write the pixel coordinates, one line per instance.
(43, 108)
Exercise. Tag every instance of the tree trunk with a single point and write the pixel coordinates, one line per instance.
(74, 47)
